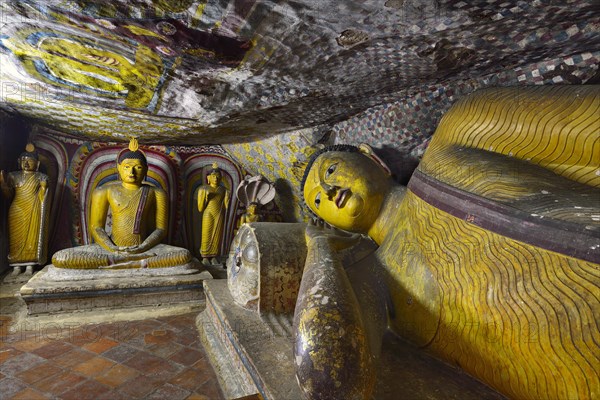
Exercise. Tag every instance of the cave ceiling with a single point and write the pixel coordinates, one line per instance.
(229, 71)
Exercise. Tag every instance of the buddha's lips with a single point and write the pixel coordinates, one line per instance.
(341, 196)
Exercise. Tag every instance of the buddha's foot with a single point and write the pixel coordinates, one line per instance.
(29, 270)
(206, 262)
(16, 271)
(215, 261)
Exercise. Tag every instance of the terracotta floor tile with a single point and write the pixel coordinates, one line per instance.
(211, 390)
(123, 331)
(29, 345)
(168, 391)
(114, 395)
(185, 338)
(191, 378)
(29, 394)
(182, 321)
(100, 345)
(139, 386)
(203, 364)
(144, 362)
(93, 367)
(117, 375)
(179, 326)
(73, 357)
(134, 329)
(20, 363)
(121, 353)
(164, 350)
(88, 390)
(151, 365)
(10, 386)
(187, 356)
(135, 359)
(81, 338)
(8, 352)
(159, 336)
(58, 384)
(196, 396)
(53, 349)
(39, 372)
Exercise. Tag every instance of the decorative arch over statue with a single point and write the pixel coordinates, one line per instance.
(55, 162)
(195, 170)
(94, 165)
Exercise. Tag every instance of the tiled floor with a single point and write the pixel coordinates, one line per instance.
(151, 359)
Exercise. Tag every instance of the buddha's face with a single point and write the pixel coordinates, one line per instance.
(29, 164)
(132, 171)
(243, 269)
(346, 190)
(214, 178)
(252, 209)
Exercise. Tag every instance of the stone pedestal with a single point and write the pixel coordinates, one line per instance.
(254, 355)
(56, 291)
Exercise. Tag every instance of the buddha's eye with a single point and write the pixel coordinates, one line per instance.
(318, 200)
(330, 170)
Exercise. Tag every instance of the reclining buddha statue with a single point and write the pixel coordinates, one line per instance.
(139, 223)
(489, 259)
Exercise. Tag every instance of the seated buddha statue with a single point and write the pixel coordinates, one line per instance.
(488, 260)
(139, 223)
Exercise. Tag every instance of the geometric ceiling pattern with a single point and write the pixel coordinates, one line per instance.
(232, 71)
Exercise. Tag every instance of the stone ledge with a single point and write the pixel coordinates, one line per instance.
(47, 296)
(250, 357)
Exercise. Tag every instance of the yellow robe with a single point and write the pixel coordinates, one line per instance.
(212, 202)
(28, 220)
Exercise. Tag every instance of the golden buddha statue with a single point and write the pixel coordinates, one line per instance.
(254, 192)
(139, 223)
(250, 215)
(488, 260)
(28, 212)
(213, 202)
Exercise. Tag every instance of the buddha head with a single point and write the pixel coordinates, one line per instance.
(132, 165)
(346, 185)
(215, 175)
(28, 160)
(252, 208)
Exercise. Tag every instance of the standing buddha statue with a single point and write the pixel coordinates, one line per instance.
(213, 202)
(28, 214)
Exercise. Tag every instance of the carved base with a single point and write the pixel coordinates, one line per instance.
(250, 356)
(255, 356)
(44, 295)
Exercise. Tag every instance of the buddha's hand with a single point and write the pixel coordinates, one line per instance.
(131, 249)
(337, 239)
(42, 191)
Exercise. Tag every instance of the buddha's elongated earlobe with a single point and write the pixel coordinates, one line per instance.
(368, 151)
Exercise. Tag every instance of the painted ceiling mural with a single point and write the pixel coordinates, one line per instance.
(227, 71)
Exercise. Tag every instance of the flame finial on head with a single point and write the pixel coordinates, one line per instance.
(133, 152)
(30, 152)
(133, 144)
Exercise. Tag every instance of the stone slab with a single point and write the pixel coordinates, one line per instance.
(44, 295)
(252, 355)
